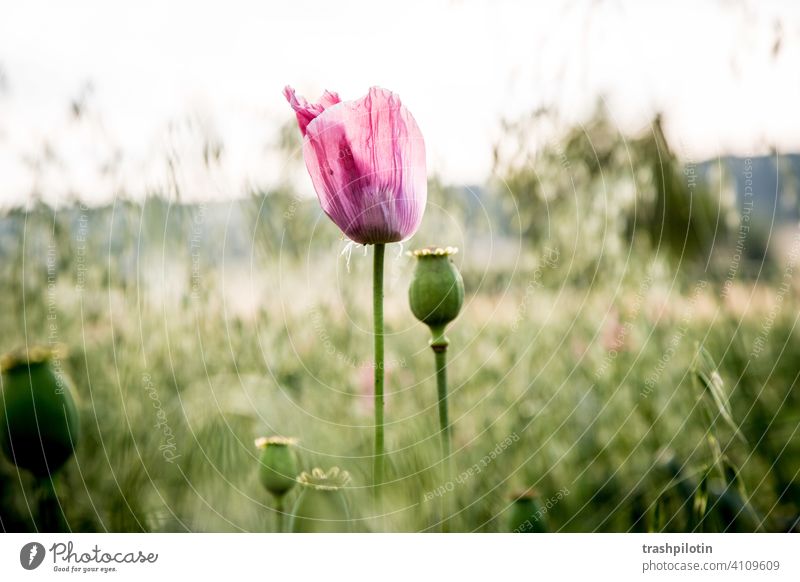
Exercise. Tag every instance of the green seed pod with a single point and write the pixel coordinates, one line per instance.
(278, 464)
(437, 289)
(39, 423)
(321, 506)
(527, 514)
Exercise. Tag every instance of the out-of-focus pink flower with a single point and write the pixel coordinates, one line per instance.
(614, 333)
(365, 398)
(366, 159)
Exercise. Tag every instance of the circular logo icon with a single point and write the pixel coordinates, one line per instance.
(31, 555)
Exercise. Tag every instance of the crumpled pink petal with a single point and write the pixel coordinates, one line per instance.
(305, 111)
(366, 159)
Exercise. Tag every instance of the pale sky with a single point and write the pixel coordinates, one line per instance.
(459, 66)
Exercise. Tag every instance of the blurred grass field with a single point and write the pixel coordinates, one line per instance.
(194, 329)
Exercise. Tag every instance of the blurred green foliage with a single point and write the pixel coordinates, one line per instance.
(194, 329)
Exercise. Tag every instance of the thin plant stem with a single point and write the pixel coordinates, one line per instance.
(441, 385)
(377, 307)
(50, 516)
(439, 345)
(279, 514)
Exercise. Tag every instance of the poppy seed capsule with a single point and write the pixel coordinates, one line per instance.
(278, 464)
(39, 422)
(527, 514)
(321, 506)
(436, 293)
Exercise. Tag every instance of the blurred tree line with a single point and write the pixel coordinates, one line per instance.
(605, 198)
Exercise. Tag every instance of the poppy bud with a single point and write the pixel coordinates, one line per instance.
(321, 506)
(278, 464)
(39, 423)
(436, 293)
(527, 514)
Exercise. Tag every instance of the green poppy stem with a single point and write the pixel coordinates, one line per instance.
(50, 516)
(440, 353)
(439, 343)
(377, 306)
(279, 514)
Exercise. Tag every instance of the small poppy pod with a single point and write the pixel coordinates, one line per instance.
(39, 422)
(321, 506)
(436, 294)
(527, 515)
(278, 464)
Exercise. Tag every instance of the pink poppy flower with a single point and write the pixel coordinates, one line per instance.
(615, 333)
(366, 159)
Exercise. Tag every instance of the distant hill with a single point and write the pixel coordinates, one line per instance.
(774, 181)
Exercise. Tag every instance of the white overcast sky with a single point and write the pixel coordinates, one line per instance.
(459, 66)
